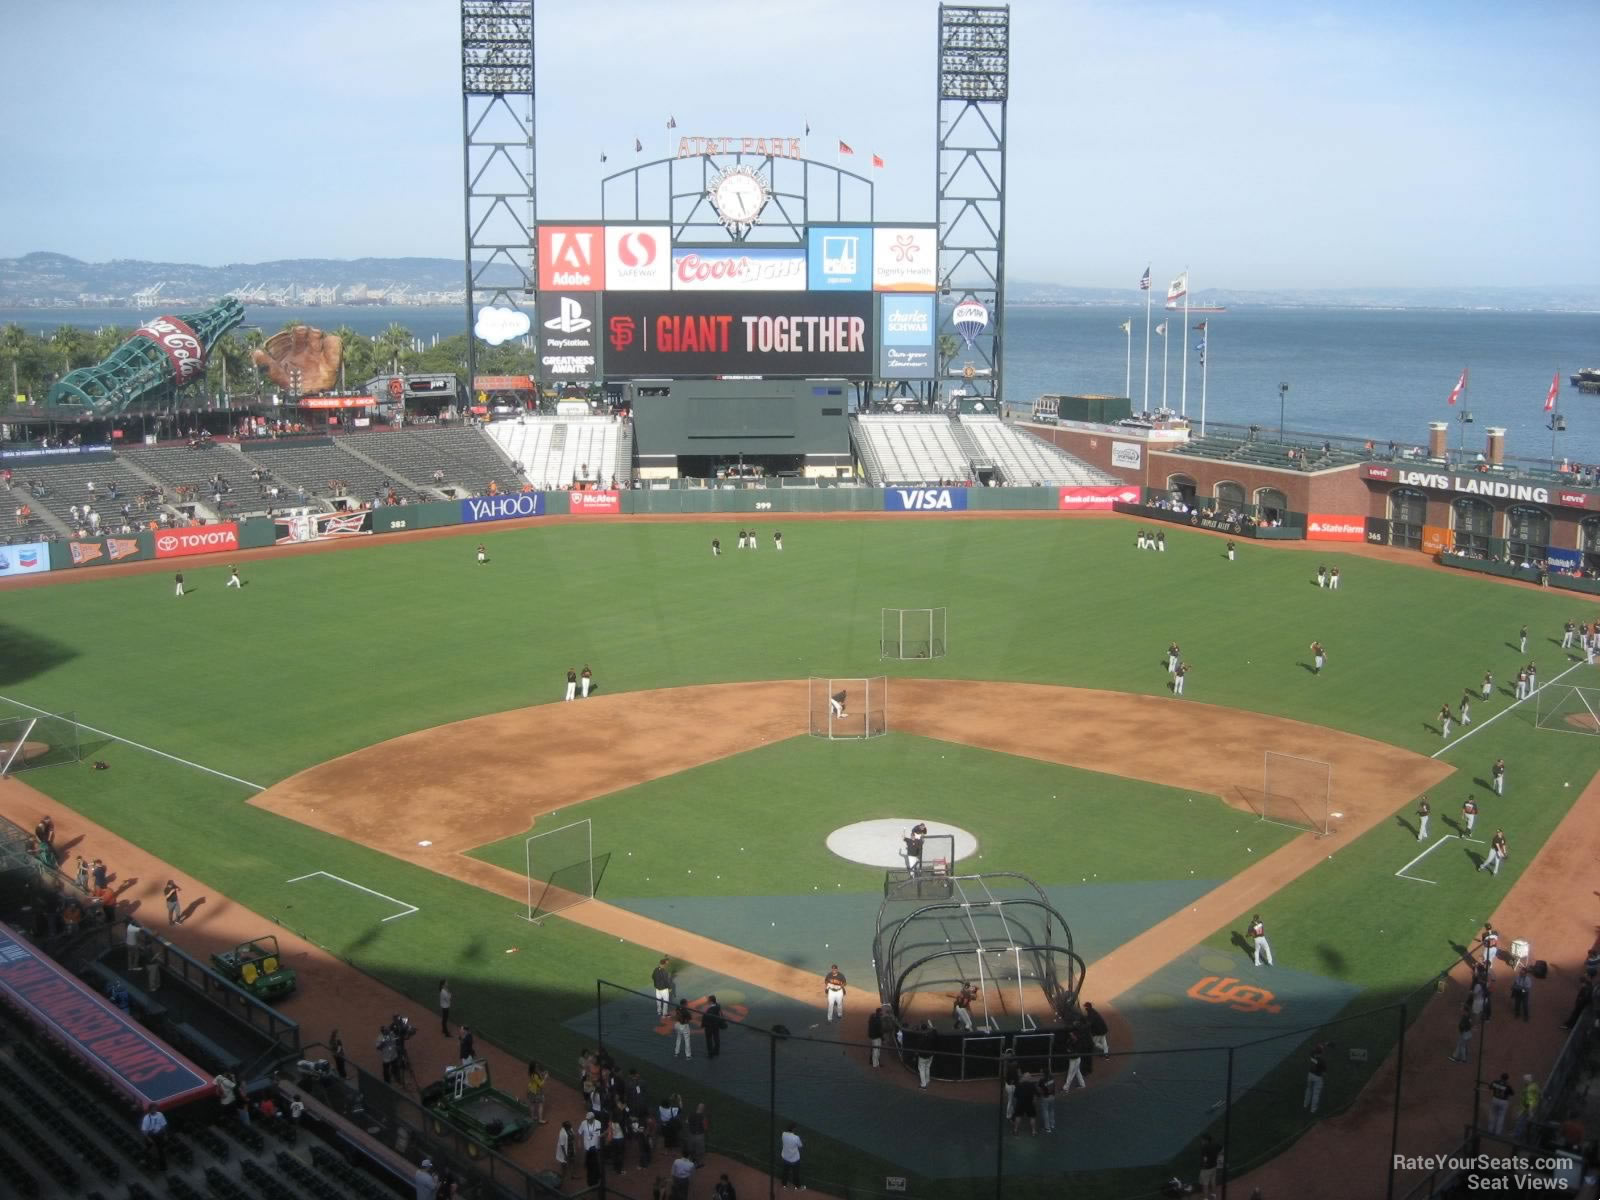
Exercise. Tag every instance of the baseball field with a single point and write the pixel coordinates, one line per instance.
(359, 743)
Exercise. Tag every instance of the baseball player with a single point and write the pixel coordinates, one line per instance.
(1488, 685)
(1522, 684)
(836, 702)
(572, 683)
(585, 681)
(1258, 934)
(742, 536)
(833, 990)
(661, 980)
(1466, 707)
(1498, 774)
(716, 547)
(1172, 658)
(911, 847)
(233, 578)
(1315, 1071)
(1567, 631)
(1141, 539)
(1533, 678)
(1318, 657)
(755, 543)
(1469, 814)
(1491, 943)
(1322, 576)
(777, 540)
(179, 578)
(1588, 651)
(1177, 678)
(1423, 813)
(1161, 540)
(1333, 585)
(1497, 853)
(963, 1006)
(483, 555)
(1522, 641)
(1231, 550)
(1444, 719)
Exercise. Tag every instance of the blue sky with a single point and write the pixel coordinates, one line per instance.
(1260, 144)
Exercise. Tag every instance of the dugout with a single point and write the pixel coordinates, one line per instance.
(696, 428)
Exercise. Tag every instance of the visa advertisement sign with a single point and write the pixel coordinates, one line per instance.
(26, 559)
(925, 500)
(502, 508)
(905, 349)
(840, 258)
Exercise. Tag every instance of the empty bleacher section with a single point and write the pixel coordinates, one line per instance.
(1291, 456)
(469, 460)
(909, 449)
(187, 472)
(65, 482)
(315, 464)
(555, 452)
(1023, 459)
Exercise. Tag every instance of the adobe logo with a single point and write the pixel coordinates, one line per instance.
(571, 258)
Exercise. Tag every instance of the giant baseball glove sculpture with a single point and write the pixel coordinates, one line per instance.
(316, 354)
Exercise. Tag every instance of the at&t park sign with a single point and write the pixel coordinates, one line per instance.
(777, 147)
(1482, 485)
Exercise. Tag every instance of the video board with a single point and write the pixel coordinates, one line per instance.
(773, 334)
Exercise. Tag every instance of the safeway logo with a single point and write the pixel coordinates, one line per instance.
(925, 499)
(636, 249)
(206, 540)
(571, 318)
(637, 258)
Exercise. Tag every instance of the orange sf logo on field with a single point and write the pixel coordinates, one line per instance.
(1241, 997)
(730, 1012)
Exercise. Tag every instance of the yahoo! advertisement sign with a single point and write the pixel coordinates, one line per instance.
(502, 508)
(925, 499)
(756, 269)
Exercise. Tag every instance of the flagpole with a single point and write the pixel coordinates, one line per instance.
(1205, 360)
(1127, 386)
(1166, 344)
(1147, 298)
(1183, 401)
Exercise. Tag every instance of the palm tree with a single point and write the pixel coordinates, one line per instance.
(70, 342)
(350, 343)
(949, 347)
(395, 346)
(13, 340)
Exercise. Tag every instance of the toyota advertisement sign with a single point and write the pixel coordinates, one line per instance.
(795, 335)
(737, 269)
(202, 539)
(569, 335)
(839, 258)
(906, 337)
(638, 258)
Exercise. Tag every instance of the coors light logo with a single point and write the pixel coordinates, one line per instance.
(182, 347)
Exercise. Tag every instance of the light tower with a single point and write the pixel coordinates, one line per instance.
(497, 169)
(974, 82)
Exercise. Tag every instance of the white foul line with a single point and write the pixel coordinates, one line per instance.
(140, 746)
(1401, 873)
(1505, 710)
(410, 908)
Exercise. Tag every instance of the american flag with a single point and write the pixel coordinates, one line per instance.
(672, 122)
(1144, 283)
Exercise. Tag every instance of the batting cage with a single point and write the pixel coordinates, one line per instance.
(911, 633)
(1295, 791)
(562, 868)
(849, 709)
(44, 740)
(993, 938)
(1567, 708)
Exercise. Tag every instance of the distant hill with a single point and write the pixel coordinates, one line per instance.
(44, 278)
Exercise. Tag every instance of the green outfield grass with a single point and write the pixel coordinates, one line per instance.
(1020, 809)
(320, 655)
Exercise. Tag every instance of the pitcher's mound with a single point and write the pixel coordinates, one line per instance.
(1584, 721)
(878, 843)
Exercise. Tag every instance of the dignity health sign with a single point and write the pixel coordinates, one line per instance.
(26, 559)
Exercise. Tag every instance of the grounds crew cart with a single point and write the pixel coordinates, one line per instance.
(468, 1101)
(257, 967)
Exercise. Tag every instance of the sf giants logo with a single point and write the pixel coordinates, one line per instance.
(730, 1012)
(622, 331)
(1237, 995)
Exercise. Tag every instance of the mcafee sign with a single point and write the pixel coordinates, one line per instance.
(584, 503)
(204, 539)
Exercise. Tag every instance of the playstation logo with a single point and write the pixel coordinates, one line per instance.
(571, 319)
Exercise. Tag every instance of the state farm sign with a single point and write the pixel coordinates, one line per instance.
(1321, 527)
(206, 539)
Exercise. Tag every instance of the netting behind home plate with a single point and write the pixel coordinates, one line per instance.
(996, 931)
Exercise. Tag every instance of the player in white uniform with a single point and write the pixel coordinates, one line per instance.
(1258, 933)
(833, 990)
